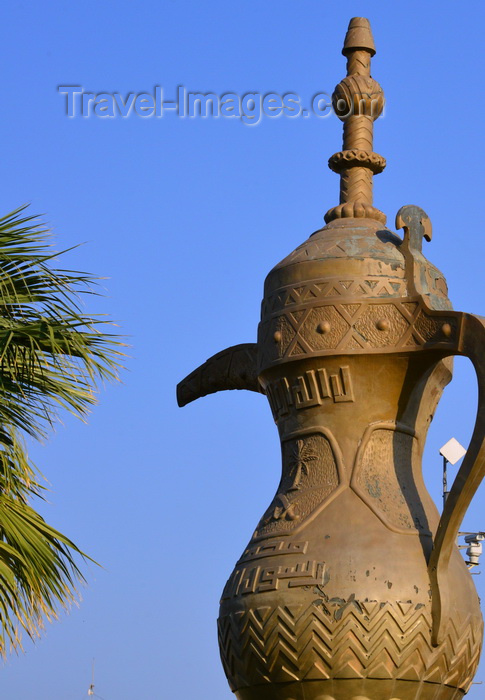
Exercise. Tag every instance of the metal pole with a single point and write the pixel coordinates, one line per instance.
(445, 481)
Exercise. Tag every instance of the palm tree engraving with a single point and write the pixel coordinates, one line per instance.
(301, 454)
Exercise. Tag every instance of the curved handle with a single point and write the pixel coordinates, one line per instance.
(467, 481)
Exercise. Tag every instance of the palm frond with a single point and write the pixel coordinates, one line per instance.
(52, 356)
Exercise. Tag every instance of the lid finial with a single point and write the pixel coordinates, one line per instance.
(357, 100)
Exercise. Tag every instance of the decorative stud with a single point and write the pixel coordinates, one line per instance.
(447, 330)
(323, 327)
(277, 337)
(382, 324)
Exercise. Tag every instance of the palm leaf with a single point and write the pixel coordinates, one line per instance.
(52, 357)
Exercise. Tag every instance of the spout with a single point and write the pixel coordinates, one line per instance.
(233, 368)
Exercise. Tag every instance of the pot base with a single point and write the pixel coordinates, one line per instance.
(368, 689)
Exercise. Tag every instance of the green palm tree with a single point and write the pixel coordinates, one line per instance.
(51, 357)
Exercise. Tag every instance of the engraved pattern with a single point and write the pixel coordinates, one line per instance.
(396, 324)
(358, 63)
(273, 548)
(310, 475)
(271, 578)
(310, 389)
(358, 99)
(358, 133)
(355, 185)
(346, 159)
(345, 639)
(331, 288)
(330, 243)
(372, 326)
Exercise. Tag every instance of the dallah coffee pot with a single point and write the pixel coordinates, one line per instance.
(354, 349)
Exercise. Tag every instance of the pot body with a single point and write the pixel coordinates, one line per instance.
(331, 599)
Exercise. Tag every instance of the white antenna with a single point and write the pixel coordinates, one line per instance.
(91, 692)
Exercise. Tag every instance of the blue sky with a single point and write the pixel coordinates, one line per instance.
(184, 217)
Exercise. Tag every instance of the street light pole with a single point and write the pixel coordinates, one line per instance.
(451, 452)
(445, 480)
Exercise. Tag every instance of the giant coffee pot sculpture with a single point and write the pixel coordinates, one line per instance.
(352, 587)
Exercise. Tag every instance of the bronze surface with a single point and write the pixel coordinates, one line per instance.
(352, 587)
